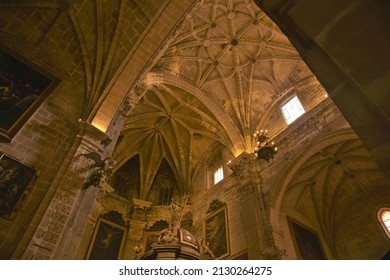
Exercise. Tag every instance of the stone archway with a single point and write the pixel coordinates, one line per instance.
(320, 190)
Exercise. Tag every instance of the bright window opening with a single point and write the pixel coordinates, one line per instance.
(384, 218)
(292, 110)
(218, 175)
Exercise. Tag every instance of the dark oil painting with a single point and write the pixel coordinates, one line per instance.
(15, 180)
(22, 89)
(306, 242)
(107, 241)
(216, 233)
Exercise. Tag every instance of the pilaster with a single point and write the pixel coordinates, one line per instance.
(255, 217)
(63, 223)
(138, 220)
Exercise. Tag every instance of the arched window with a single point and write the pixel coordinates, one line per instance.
(384, 219)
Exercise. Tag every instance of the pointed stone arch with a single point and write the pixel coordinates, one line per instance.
(324, 187)
(164, 186)
(126, 179)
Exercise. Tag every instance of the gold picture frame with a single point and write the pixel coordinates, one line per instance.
(216, 232)
(107, 241)
(306, 241)
(16, 179)
(23, 88)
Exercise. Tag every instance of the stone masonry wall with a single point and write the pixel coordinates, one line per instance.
(60, 39)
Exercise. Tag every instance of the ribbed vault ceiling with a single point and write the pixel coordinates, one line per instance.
(330, 183)
(169, 123)
(232, 51)
(215, 81)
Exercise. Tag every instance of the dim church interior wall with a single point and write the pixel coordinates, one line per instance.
(43, 143)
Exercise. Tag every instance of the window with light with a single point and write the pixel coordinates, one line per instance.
(384, 219)
(292, 110)
(218, 175)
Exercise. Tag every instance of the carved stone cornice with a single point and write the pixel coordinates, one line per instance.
(323, 118)
(247, 172)
(140, 209)
(91, 135)
(128, 104)
(158, 226)
(115, 217)
(215, 205)
(141, 204)
(240, 165)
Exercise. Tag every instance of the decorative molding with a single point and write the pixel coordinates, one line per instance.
(323, 118)
(128, 104)
(215, 205)
(115, 217)
(241, 164)
(141, 204)
(92, 136)
(158, 226)
(139, 209)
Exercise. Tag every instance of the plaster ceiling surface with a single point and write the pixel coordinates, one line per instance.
(216, 80)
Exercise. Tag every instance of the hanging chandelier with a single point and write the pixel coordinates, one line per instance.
(264, 149)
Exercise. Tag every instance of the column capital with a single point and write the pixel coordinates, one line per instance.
(92, 137)
(140, 209)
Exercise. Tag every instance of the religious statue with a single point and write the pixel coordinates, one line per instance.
(176, 212)
(166, 236)
(139, 251)
(103, 169)
(206, 250)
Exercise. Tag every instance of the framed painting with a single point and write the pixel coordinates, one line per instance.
(16, 179)
(23, 88)
(107, 241)
(307, 243)
(216, 232)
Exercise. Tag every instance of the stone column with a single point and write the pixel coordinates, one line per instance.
(137, 225)
(62, 225)
(254, 212)
(76, 188)
(119, 120)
